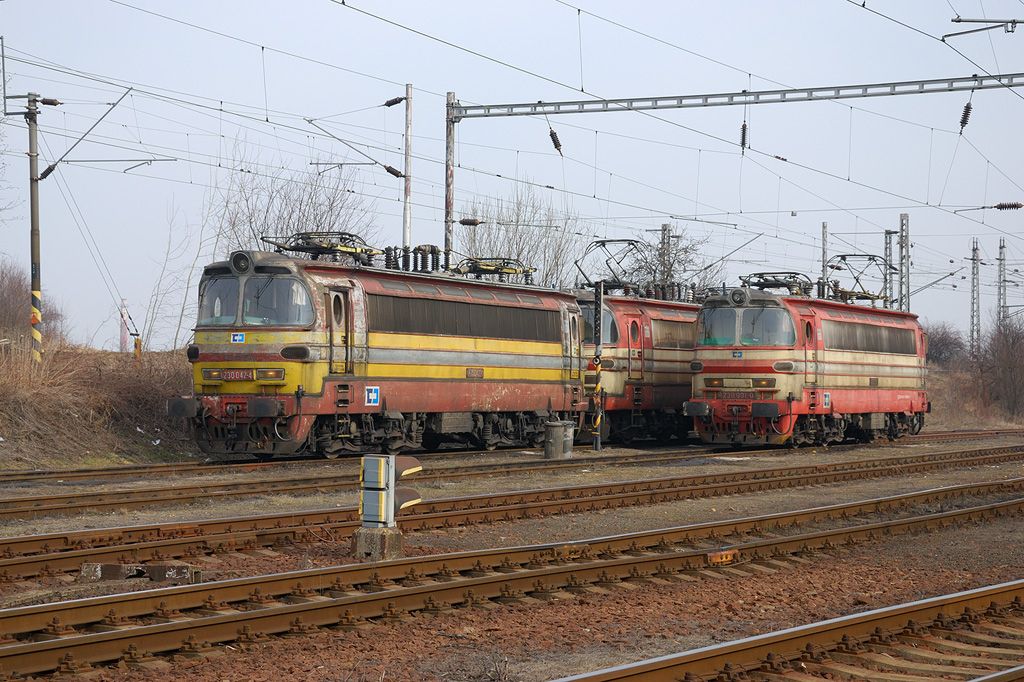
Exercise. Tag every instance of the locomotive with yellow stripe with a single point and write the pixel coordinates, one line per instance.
(790, 369)
(297, 355)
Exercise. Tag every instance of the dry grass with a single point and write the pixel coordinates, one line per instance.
(961, 400)
(84, 407)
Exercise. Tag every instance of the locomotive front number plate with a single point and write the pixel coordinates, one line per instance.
(737, 395)
(236, 375)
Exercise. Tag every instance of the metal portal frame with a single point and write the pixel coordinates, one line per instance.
(743, 97)
(455, 112)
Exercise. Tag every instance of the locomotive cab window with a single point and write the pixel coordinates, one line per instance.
(218, 301)
(766, 327)
(276, 301)
(716, 327)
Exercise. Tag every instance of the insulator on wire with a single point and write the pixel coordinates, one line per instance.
(393, 171)
(966, 116)
(780, 158)
(470, 222)
(555, 141)
(743, 135)
(1009, 206)
(393, 101)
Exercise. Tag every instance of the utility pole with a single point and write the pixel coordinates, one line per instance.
(904, 244)
(975, 332)
(449, 177)
(887, 273)
(407, 196)
(31, 114)
(823, 282)
(665, 254)
(1002, 312)
(124, 326)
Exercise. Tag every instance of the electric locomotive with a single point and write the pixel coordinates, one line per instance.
(791, 369)
(296, 355)
(647, 347)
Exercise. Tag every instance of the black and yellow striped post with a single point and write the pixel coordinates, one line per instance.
(31, 114)
(598, 401)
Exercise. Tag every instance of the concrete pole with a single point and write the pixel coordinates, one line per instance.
(975, 333)
(31, 119)
(407, 196)
(124, 326)
(1003, 311)
(449, 178)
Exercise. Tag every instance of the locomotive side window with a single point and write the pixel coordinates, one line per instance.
(808, 332)
(218, 301)
(338, 310)
(423, 316)
(671, 334)
(868, 337)
(276, 301)
(634, 331)
(767, 327)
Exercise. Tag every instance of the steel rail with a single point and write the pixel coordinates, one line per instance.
(904, 634)
(48, 505)
(169, 541)
(161, 469)
(133, 625)
(494, 506)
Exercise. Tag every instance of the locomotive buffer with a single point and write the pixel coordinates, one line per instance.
(380, 499)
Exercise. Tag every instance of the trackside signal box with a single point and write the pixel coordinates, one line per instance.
(380, 497)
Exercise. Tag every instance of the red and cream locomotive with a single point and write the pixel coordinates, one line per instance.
(791, 369)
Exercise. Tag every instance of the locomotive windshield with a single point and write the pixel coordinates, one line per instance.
(276, 301)
(717, 327)
(609, 332)
(757, 326)
(766, 327)
(265, 301)
(218, 301)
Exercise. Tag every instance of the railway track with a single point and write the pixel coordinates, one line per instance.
(48, 554)
(973, 635)
(179, 468)
(131, 627)
(66, 503)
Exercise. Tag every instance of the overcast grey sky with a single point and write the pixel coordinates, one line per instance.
(198, 93)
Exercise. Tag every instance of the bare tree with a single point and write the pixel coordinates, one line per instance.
(262, 200)
(946, 344)
(665, 256)
(1003, 365)
(527, 227)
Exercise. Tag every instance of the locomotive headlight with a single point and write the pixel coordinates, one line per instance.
(269, 375)
(240, 262)
(713, 383)
(212, 375)
(763, 383)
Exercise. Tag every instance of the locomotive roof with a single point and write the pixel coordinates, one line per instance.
(268, 262)
(836, 309)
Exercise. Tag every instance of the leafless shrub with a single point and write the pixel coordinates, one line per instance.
(946, 344)
(525, 226)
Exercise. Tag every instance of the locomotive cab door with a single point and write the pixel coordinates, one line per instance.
(635, 344)
(810, 333)
(338, 330)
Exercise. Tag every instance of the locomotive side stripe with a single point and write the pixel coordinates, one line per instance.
(459, 372)
(462, 343)
(438, 357)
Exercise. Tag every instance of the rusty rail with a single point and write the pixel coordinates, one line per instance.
(28, 556)
(976, 634)
(176, 468)
(127, 626)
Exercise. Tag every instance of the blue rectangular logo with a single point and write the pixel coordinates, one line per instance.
(372, 395)
(737, 354)
(238, 337)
